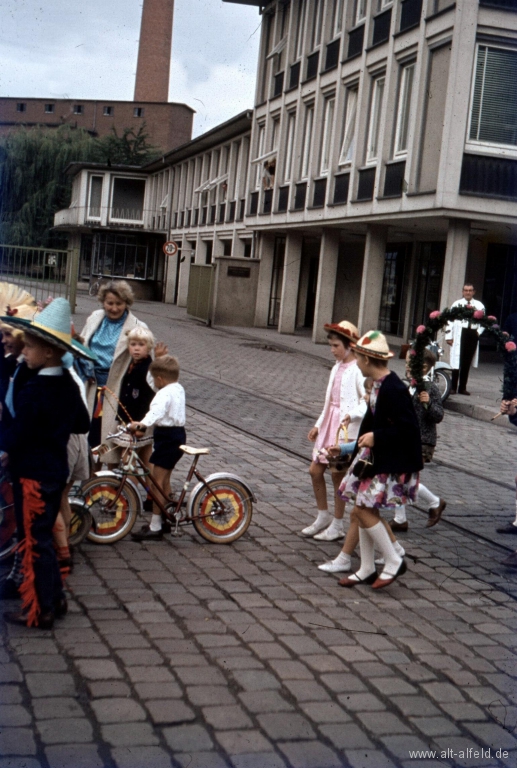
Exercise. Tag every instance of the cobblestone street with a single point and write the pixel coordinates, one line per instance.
(185, 653)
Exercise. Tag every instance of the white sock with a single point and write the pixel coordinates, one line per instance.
(323, 517)
(381, 540)
(366, 547)
(427, 498)
(336, 526)
(156, 523)
(400, 514)
(515, 521)
(399, 549)
(342, 559)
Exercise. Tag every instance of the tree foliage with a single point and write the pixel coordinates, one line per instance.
(33, 183)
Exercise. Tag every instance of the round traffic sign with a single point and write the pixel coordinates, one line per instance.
(170, 248)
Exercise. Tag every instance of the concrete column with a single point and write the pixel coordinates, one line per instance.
(293, 259)
(266, 249)
(171, 270)
(184, 273)
(458, 237)
(325, 290)
(371, 283)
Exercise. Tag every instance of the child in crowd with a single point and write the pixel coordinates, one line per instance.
(167, 415)
(429, 411)
(344, 405)
(385, 470)
(47, 410)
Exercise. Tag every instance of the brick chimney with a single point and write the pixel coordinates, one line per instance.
(154, 51)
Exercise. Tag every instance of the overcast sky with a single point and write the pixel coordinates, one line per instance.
(88, 50)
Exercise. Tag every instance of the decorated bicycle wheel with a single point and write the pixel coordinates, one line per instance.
(8, 539)
(223, 513)
(113, 510)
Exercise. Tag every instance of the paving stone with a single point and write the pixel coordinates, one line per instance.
(10, 694)
(435, 726)
(17, 741)
(78, 756)
(401, 746)
(41, 663)
(243, 742)
(200, 760)
(310, 754)
(199, 676)
(169, 711)
(306, 690)
(371, 758)
(150, 675)
(459, 744)
(325, 712)
(129, 735)
(361, 702)
(206, 695)
(341, 683)
(28, 762)
(385, 724)
(88, 650)
(257, 760)
(269, 650)
(13, 714)
(264, 701)
(115, 710)
(10, 673)
(187, 738)
(58, 708)
(72, 730)
(102, 689)
(158, 690)
(493, 735)
(98, 669)
(291, 670)
(137, 757)
(287, 726)
(226, 717)
(52, 684)
(252, 680)
(443, 692)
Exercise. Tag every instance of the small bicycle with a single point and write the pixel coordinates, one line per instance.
(220, 506)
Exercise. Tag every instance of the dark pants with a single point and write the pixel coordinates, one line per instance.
(468, 346)
(36, 507)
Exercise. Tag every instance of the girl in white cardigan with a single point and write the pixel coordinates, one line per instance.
(344, 404)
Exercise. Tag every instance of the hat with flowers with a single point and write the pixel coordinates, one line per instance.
(345, 329)
(374, 344)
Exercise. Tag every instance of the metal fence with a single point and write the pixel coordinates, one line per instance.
(43, 272)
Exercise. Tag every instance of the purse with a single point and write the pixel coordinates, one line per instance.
(363, 468)
(340, 464)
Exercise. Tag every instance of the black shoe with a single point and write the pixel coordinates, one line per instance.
(9, 590)
(510, 528)
(453, 392)
(145, 534)
(60, 608)
(148, 505)
(464, 392)
(44, 620)
(402, 527)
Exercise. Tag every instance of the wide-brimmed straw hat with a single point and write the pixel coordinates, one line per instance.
(374, 344)
(345, 329)
(53, 324)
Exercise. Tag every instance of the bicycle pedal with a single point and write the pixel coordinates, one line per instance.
(177, 534)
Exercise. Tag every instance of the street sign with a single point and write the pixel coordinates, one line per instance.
(170, 248)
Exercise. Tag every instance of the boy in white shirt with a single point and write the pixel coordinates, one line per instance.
(167, 415)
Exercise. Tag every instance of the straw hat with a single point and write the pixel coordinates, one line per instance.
(53, 325)
(345, 329)
(374, 344)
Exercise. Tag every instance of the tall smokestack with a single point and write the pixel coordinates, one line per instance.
(154, 51)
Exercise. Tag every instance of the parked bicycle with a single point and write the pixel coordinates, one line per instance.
(219, 506)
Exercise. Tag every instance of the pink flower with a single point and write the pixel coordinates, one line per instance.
(478, 314)
(510, 346)
(413, 381)
(495, 327)
(420, 329)
(434, 314)
(492, 318)
(505, 334)
(412, 352)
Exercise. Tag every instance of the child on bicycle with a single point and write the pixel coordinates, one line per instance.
(167, 415)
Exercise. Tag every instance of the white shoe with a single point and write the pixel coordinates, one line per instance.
(315, 528)
(330, 534)
(333, 567)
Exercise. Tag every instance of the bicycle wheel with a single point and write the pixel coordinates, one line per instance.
(8, 539)
(111, 520)
(80, 522)
(222, 527)
(443, 382)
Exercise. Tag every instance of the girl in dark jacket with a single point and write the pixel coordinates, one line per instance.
(385, 470)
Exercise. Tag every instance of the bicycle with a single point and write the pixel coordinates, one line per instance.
(219, 506)
(80, 522)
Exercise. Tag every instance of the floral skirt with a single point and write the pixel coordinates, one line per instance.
(380, 491)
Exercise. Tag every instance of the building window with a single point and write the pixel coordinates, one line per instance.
(260, 151)
(94, 207)
(107, 111)
(78, 109)
(300, 28)
(317, 23)
(404, 109)
(21, 106)
(493, 117)
(49, 109)
(127, 202)
(275, 131)
(347, 147)
(307, 141)
(374, 125)
(337, 17)
(289, 146)
(328, 122)
(360, 11)
(138, 112)
(386, 3)
(391, 315)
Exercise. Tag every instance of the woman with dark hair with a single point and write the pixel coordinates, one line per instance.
(105, 333)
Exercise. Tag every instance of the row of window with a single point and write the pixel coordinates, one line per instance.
(78, 109)
(206, 215)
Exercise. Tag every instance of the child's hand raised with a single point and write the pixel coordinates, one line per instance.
(160, 349)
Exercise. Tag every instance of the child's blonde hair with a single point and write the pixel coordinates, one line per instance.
(167, 367)
(139, 333)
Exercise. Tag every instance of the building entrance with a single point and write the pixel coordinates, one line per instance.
(428, 283)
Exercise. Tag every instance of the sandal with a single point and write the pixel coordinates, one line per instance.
(354, 580)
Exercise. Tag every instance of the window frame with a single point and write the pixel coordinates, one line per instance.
(107, 111)
(317, 24)
(261, 145)
(349, 126)
(308, 131)
(78, 109)
(91, 178)
(300, 30)
(337, 18)
(327, 134)
(50, 109)
(289, 147)
(374, 119)
(404, 102)
(360, 15)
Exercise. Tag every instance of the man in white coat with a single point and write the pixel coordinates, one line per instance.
(463, 337)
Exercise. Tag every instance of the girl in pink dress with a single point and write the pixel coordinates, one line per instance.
(344, 404)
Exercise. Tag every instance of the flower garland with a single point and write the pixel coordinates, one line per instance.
(437, 319)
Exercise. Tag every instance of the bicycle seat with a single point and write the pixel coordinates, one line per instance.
(194, 451)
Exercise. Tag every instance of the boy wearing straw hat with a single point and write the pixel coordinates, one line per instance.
(47, 410)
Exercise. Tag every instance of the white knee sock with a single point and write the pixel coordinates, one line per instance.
(400, 514)
(366, 547)
(156, 523)
(342, 559)
(382, 542)
(428, 499)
